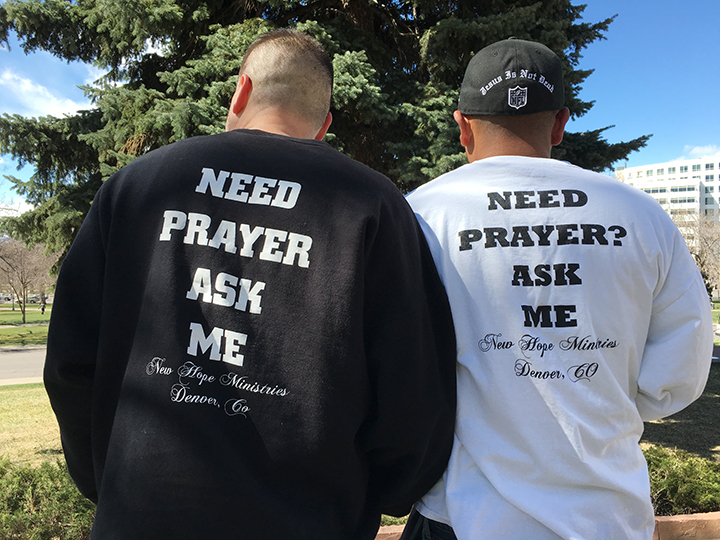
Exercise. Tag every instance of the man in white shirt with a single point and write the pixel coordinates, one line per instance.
(579, 314)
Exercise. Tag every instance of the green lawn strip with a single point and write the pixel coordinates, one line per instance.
(23, 335)
(29, 433)
(33, 315)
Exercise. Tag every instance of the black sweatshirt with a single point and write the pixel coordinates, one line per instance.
(249, 340)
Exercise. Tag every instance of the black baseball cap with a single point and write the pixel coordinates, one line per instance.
(512, 77)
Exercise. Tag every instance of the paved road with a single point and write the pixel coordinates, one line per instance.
(20, 365)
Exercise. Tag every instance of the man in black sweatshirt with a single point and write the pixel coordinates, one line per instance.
(271, 353)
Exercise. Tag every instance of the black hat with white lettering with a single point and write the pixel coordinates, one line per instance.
(512, 77)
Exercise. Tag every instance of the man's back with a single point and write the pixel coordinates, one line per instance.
(262, 351)
(576, 305)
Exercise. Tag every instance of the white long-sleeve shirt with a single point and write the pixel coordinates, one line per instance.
(579, 314)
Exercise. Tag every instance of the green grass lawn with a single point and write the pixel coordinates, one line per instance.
(34, 332)
(716, 320)
(38, 501)
(8, 316)
(695, 429)
(30, 441)
(23, 335)
(28, 430)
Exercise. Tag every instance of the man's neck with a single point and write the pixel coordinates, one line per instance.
(272, 121)
(518, 148)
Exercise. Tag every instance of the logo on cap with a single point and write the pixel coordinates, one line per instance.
(517, 97)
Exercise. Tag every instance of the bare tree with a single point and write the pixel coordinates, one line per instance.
(702, 235)
(25, 270)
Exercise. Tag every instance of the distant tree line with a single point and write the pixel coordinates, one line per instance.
(24, 271)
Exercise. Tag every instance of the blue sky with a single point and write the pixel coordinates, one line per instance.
(658, 73)
(34, 85)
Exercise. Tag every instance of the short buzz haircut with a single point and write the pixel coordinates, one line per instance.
(290, 70)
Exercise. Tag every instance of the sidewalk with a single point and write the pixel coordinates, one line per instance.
(21, 380)
(22, 364)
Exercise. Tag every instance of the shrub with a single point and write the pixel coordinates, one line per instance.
(681, 483)
(42, 503)
(391, 520)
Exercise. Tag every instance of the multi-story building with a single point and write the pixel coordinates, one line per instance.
(681, 187)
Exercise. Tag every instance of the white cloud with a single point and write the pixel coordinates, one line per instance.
(158, 47)
(709, 151)
(33, 99)
(13, 207)
(702, 152)
(93, 74)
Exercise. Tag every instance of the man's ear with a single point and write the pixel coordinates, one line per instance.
(324, 128)
(558, 130)
(242, 94)
(467, 138)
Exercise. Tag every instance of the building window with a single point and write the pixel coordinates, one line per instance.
(671, 170)
(709, 166)
(683, 169)
(709, 177)
(682, 200)
(662, 201)
(709, 200)
(678, 189)
(661, 172)
(709, 189)
(696, 168)
(639, 175)
(648, 173)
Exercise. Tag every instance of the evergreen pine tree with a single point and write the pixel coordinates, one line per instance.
(172, 67)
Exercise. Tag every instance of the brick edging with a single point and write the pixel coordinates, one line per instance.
(687, 526)
(683, 527)
(391, 532)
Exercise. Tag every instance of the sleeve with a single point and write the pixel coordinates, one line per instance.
(411, 350)
(72, 348)
(678, 351)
